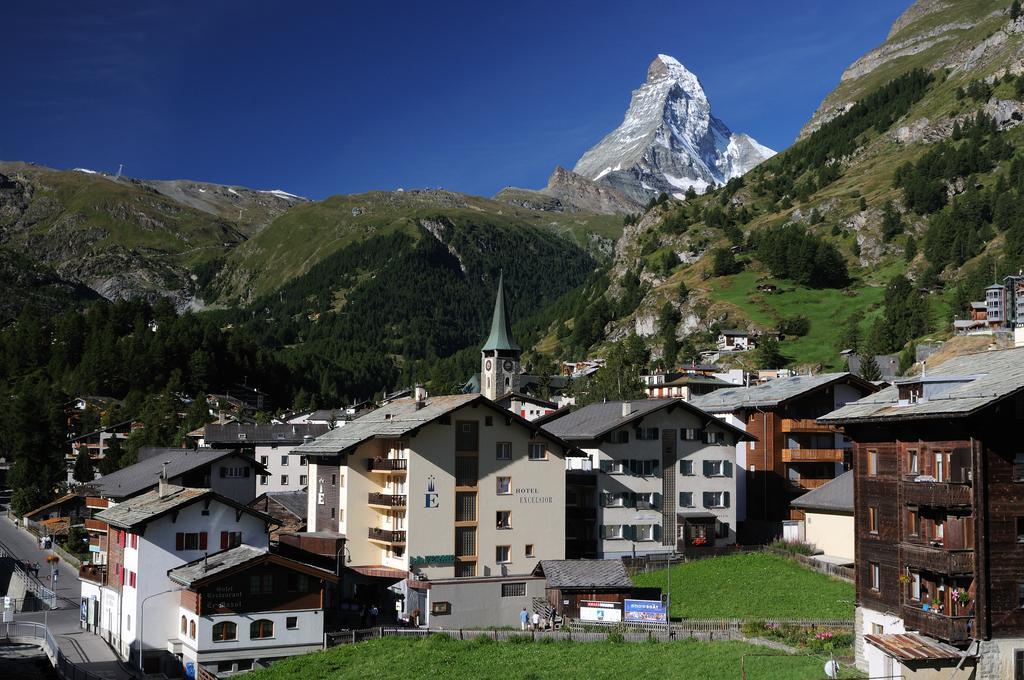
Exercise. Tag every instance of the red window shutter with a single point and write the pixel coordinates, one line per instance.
(135, 540)
(124, 538)
(223, 540)
(202, 540)
(117, 569)
(122, 576)
(179, 541)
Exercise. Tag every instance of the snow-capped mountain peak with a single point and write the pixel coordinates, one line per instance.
(669, 141)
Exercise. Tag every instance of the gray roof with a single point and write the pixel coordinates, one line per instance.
(292, 501)
(398, 419)
(835, 496)
(985, 378)
(594, 420)
(149, 506)
(205, 567)
(237, 434)
(143, 475)
(569, 574)
(769, 394)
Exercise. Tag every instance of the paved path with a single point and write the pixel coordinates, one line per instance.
(89, 651)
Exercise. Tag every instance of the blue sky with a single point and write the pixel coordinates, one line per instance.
(320, 98)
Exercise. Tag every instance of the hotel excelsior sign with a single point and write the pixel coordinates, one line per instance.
(531, 495)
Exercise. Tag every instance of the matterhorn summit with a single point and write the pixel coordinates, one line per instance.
(669, 141)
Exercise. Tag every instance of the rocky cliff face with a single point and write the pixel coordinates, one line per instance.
(568, 192)
(669, 141)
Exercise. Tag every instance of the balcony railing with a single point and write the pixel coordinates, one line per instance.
(94, 525)
(952, 629)
(386, 535)
(938, 560)
(95, 502)
(804, 425)
(96, 573)
(812, 455)
(387, 464)
(387, 500)
(936, 494)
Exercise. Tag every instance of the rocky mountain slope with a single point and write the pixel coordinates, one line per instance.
(669, 141)
(567, 191)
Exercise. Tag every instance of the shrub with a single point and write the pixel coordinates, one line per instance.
(792, 547)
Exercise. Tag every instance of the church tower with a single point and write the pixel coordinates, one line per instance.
(499, 361)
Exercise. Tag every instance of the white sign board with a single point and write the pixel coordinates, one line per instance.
(600, 612)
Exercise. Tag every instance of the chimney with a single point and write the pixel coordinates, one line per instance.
(161, 484)
(627, 408)
(420, 395)
(307, 438)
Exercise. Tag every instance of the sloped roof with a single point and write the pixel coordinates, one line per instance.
(594, 420)
(835, 496)
(510, 396)
(501, 332)
(292, 501)
(570, 574)
(771, 393)
(144, 474)
(221, 564)
(235, 434)
(988, 378)
(913, 647)
(150, 506)
(398, 419)
(56, 501)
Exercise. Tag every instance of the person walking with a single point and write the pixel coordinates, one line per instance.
(523, 618)
(374, 613)
(536, 621)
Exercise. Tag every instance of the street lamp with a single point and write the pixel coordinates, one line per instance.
(52, 560)
(142, 616)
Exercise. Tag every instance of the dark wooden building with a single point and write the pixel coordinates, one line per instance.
(570, 584)
(939, 512)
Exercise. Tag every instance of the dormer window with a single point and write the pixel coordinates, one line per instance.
(241, 436)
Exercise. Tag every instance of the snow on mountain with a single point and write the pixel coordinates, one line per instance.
(669, 141)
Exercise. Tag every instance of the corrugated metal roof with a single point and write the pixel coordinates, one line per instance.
(996, 375)
(771, 393)
(568, 574)
(238, 434)
(835, 495)
(913, 647)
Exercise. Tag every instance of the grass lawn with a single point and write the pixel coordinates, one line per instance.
(753, 586)
(440, 657)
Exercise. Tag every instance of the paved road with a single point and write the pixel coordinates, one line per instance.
(85, 649)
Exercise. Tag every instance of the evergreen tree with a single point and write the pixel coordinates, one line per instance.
(617, 380)
(768, 354)
(83, 466)
(869, 369)
(112, 455)
(863, 204)
(910, 251)
(724, 263)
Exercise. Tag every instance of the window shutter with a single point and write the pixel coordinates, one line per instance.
(654, 433)
(628, 532)
(727, 468)
(223, 472)
(606, 466)
(725, 499)
(179, 541)
(122, 576)
(248, 471)
(631, 499)
(655, 500)
(202, 540)
(656, 532)
(707, 468)
(223, 540)
(708, 499)
(604, 499)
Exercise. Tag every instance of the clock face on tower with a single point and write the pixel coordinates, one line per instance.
(487, 365)
(507, 365)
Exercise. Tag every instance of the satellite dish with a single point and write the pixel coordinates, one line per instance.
(832, 669)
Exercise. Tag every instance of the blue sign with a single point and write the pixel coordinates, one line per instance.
(645, 610)
(430, 498)
(190, 670)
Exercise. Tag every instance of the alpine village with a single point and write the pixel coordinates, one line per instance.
(694, 409)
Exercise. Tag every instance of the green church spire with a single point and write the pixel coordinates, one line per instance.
(501, 333)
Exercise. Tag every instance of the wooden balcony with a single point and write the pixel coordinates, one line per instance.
(937, 559)
(936, 494)
(804, 425)
(386, 500)
(95, 525)
(94, 573)
(952, 629)
(387, 536)
(387, 465)
(812, 455)
(98, 503)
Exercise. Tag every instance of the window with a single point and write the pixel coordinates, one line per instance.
(504, 486)
(686, 499)
(617, 437)
(874, 576)
(190, 541)
(877, 629)
(445, 608)
(691, 434)
(513, 589)
(873, 519)
(646, 433)
(192, 629)
(291, 623)
(302, 461)
(714, 437)
(1020, 529)
(261, 629)
(264, 480)
(332, 513)
(913, 522)
(465, 541)
(940, 466)
(265, 460)
(530, 551)
(614, 467)
(913, 464)
(488, 421)
(135, 541)
(465, 506)
(872, 462)
(284, 460)
(225, 630)
(612, 531)
(716, 499)
(341, 515)
(235, 472)
(466, 471)
(537, 451)
(261, 584)
(334, 480)
(503, 554)
(615, 499)
(686, 468)
(284, 480)
(643, 468)
(243, 665)
(504, 519)
(230, 539)
(503, 450)
(303, 480)
(184, 625)
(915, 586)
(643, 532)
(717, 468)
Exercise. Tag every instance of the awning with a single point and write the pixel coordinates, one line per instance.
(697, 516)
(913, 647)
(378, 571)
